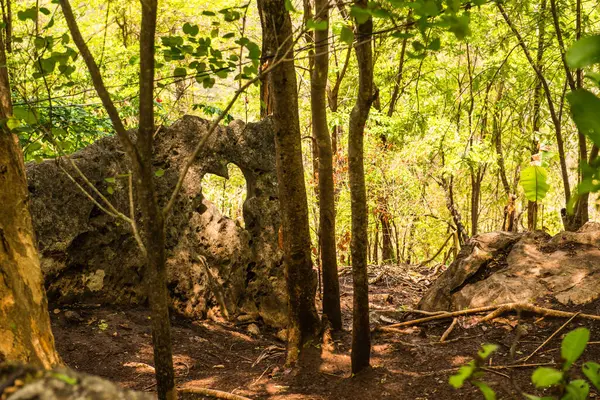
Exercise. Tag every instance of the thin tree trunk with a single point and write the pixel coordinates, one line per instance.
(398, 82)
(581, 214)
(25, 333)
(153, 235)
(375, 257)
(532, 206)
(331, 285)
(548, 94)
(387, 248)
(301, 281)
(153, 223)
(361, 335)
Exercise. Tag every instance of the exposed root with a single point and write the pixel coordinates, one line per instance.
(494, 312)
(218, 394)
(448, 331)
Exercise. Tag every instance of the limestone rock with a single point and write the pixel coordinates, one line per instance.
(88, 255)
(61, 383)
(500, 267)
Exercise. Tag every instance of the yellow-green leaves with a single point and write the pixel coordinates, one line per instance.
(534, 180)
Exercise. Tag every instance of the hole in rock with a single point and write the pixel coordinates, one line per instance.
(228, 195)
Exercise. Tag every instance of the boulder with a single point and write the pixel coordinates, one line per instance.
(90, 256)
(502, 267)
(25, 382)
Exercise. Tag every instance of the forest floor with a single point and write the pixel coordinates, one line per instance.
(116, 344)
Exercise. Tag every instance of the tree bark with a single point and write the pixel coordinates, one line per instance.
(25, 333)
(331, 286)
(361, 337)
(152, 217)
(140, 153)
(301, 281)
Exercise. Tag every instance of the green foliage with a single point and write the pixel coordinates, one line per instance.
(534, 180)
(585, 52)
(545, 377)
(572, 347)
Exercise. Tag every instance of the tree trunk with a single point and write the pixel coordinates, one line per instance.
(153, 235)
(153, 223)
(361, 337)
(331, 286)
(548, 95)
(387, 248)
(25, 333)
(375, 257)
(301, 281)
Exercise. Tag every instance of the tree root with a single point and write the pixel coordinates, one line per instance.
(494, 312)
(212, 393)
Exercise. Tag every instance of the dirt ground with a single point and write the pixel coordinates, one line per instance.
(116, 344)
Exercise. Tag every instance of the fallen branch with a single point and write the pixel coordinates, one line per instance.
(496, 311)
(436, 317)
(448, 331)
(547, 312)
(218, 394)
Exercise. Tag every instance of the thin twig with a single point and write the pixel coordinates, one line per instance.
(448, 331)
(550, 337)
(134, 228)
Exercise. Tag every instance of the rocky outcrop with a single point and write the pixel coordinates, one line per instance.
(501, 267)
(24, 382)
(88, 255)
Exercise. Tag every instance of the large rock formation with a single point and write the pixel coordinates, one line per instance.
(88, 255)
(501, 267)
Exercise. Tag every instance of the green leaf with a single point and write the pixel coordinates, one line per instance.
(39, 42)
(458, 380)
(361, 15)
(25, 114)
(435, 44)
(191, 30)
(30, 13)
(573, 346)
(486, 351)
(487, 391)
(585, 109)
(289, 6)
(110, 180)
(577, 389)
(347, 35)
(34, 146)
(313, 25)
(208, 13)
(65, 378)
(545, 377)
(110, 190)
(532, 397)
(584, 52)
(159, 172)
(180, 72)
(44, 11)
(534, 182)
(592, 371)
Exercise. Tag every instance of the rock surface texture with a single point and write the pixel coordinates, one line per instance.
(22, 382)
(89, 256)
(502, 267)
